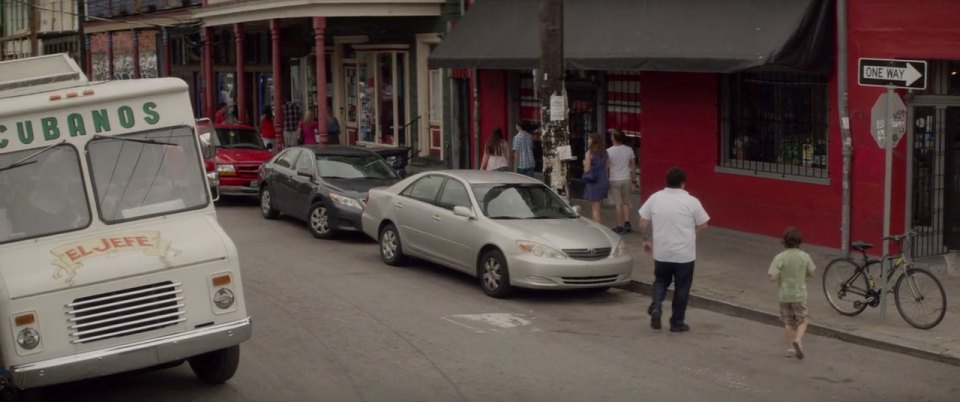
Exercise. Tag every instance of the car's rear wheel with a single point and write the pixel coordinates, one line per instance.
(319, 221)
(266, 204)
(494, 275)
(391, 248)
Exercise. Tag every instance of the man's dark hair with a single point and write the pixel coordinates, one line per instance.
(676, 177)
(792, 238)
(619, 136)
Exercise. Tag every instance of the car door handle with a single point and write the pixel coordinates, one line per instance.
(436, 218)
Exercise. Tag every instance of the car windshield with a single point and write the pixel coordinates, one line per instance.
(238, 138)
(354, 167)
(42, 194)
(146, 174)
(521, 201)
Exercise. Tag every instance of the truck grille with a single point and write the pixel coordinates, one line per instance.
(248, 170)
(125, 312)
(588, 254)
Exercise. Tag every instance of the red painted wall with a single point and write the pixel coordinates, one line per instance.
(494, 100)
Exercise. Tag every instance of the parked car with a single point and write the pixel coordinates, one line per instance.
(324, 186)
(506, 229)
(240, 151)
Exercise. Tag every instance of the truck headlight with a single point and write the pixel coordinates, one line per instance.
(227, 170)
(540, 250)
(28, 338)
(345, 201)
(224, 298)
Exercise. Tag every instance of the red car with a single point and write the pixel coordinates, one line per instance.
(239, 153)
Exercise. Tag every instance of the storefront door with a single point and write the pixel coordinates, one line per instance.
(935, 197)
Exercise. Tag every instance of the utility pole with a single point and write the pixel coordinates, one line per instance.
(81, 35)
(34, 18)
(553, 96)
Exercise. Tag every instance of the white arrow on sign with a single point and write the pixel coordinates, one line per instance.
(908, 74)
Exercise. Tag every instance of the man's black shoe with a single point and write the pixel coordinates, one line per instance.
(627, 227)
(680, 328)
(654, 317)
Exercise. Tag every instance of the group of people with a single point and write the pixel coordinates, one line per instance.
(298, 128)
(670, 221)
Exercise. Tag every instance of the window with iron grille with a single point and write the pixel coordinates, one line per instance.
(774, 123)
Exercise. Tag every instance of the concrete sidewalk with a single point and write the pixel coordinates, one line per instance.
(731, 277)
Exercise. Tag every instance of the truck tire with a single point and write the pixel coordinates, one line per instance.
(216, 367)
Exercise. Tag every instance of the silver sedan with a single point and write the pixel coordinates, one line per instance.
(506, 229)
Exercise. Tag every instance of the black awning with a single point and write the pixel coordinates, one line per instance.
(648, 35)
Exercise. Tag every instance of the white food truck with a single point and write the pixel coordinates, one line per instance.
(111, 257)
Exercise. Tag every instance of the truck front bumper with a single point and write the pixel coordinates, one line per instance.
(133, 356)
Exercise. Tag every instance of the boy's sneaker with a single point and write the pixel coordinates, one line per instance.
(618, 230)
(627, 228)
(654, 317)
(798, 349)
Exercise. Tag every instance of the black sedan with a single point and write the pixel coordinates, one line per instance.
(323, 186)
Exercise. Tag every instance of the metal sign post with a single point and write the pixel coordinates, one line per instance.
(889, 116)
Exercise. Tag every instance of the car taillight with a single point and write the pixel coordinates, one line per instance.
(209, 165)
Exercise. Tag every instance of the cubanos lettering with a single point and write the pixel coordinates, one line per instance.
(96, 121)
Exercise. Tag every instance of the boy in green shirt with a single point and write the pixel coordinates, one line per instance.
(790, 270)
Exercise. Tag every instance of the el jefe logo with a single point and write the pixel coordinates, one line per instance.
(70, 257)
(97, 121)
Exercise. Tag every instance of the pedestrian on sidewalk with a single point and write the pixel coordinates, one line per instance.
(495, 153)
(676, 218)
(791, 269)
(621, 180)
(596, 174)
(523, 151)
(291, 123)
(267, 131)
(308, 129)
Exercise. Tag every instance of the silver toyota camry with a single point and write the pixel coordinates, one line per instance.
(506, 229)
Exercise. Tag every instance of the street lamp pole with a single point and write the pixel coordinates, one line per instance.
(553, 105)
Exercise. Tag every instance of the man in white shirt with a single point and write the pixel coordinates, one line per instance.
(621, 180)
(677, 218)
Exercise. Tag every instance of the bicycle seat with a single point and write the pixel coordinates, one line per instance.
(861, 246)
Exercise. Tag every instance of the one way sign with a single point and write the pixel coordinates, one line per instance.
(910, 74)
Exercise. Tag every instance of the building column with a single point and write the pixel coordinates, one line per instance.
(241, 79)
(109, 56)
(165, 45)
(87, 57)
(319, 26)
(209, 91)
(136, 52)
(277, 82)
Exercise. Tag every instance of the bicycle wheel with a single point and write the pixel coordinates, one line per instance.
(846, 288)
(920, 298)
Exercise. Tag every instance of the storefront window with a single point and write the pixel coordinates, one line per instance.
(775, 123)
(381, 96)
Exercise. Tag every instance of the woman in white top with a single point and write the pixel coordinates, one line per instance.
(495, 153)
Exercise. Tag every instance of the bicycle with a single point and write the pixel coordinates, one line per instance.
(850, 287)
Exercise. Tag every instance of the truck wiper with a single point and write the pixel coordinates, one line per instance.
(28, 160)
(142, 141)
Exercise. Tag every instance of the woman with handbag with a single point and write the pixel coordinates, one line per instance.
(596, 174)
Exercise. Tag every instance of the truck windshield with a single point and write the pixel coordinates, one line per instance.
(146, 174)
(41, 195)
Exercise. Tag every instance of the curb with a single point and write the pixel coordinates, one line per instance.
(735, 310)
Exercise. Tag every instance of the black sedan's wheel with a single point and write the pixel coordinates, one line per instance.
(391, 249)
(494, 275)
(266, 205)
(319, 221)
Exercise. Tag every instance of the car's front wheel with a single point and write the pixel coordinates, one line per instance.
(266, 204)
(218, 366)
(494, 275)
(319, 221)
(391, 249)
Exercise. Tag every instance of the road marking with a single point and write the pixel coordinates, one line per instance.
(499, 320)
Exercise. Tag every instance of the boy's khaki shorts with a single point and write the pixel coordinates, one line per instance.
(620, 191)
(793, 314)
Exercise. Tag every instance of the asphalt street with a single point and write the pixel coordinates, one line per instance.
(332, 323)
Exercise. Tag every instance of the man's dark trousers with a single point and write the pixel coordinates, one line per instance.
(681, 274)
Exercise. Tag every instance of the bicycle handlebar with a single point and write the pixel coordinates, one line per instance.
(911, 233)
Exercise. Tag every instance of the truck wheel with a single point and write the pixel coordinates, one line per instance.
(216, 367)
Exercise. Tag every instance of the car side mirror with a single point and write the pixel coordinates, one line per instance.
(464, 212)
